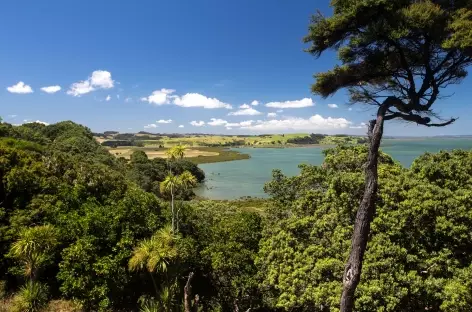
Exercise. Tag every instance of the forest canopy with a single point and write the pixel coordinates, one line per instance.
(80, 227)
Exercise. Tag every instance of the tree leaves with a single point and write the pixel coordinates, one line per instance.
(418, 244)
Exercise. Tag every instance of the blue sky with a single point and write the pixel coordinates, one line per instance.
(186, 61)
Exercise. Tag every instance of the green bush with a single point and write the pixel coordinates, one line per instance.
(31, 297)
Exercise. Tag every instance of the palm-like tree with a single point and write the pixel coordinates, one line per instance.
(154, 254)
(179, 151)
(170, 185)
(34, 248)
(174, 153)
(187, 180)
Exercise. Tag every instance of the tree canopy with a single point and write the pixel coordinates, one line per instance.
(404, 49)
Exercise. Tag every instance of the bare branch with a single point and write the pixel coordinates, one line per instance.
(420, 120)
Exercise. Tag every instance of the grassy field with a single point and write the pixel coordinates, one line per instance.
(153, 152)
(205, 140)
(200, 155)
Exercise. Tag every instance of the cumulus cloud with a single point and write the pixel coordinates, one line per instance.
(166, 96)
(306, 102)
(246, 123)
(244, 106)
(316, 122)
(12, 116)
(162, 121)
(181, 126)
(108, 98)
(100, 79)
(36, 121)
(332, 106)
(117, 96)
(51, 89)
(229, 125)
(272, 115)
(197, 123)
(217, 122)
(362, 125)
(20, 88)
(245, 112)
(280, 111)
(199, 100)
(255, 103)
(349, 109)
(128, 99)
(150, 126)
(159, 97)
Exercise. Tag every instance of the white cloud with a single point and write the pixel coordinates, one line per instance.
(20, 88)
(108, 98)
(36, 121)
(306, 102)
(228, 125)
(159, 97)
(100, 79)
(181, 126)
(117, 96)
(128, 99)
(197, 123)
(150, 126)
(255, 103)
(79, 88)
(332, 106)
(280, 111)
(245, 112)
(316, 122)
(42, 122)
(272, 115)
(162, 121)
(246, 123)
(349, 109)
(198, 100)
(217, 122)
(244, 106)
(164, 96)
(228, 128)
(12, 116)
(362, 125)
(51, 89)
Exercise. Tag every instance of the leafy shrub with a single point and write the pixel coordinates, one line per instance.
(31, 297)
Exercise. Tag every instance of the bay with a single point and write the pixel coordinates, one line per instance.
(235, 179)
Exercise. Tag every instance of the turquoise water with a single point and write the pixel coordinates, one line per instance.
(234, 179)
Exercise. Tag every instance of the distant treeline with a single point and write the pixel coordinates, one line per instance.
(313, 138)
(116, 143)
(224, 144)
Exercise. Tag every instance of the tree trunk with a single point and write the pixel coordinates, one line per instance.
(353, 268)
(154, 284)
(188, 307)
(172, 208)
